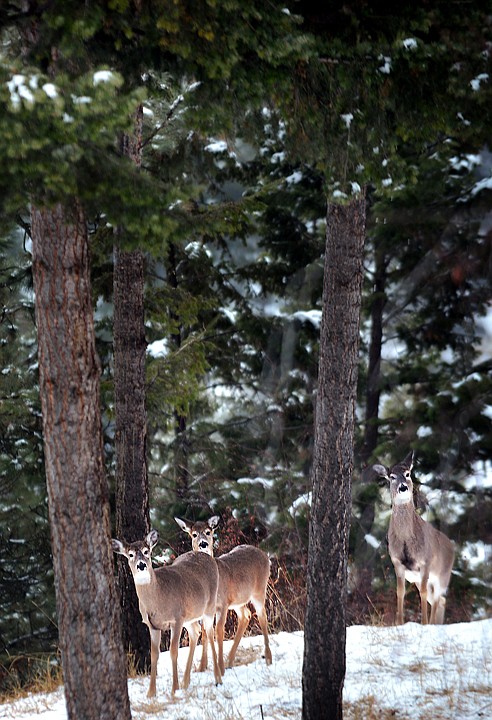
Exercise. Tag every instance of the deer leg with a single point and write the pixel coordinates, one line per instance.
(155, 644)
(193, 633)
(243, 616)
(400, 595)
(204, 660)
(262, 619)
(220, 625)
(173, 651)
(432, 619)
(208, 627)
(423, 598)
(440, 607)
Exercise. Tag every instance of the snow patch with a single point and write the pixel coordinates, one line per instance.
(102, 76)
(476, 82)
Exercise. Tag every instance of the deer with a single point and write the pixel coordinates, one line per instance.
(243, 578)
(420, 553)
(175, 596)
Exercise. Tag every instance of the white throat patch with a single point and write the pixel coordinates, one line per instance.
(142, 577)
(402, 498)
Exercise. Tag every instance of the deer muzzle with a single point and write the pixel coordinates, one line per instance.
(141, 575)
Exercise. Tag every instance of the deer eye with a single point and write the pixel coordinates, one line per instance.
(145, 551)
(195, 534)
(131, 554)
(207, 532)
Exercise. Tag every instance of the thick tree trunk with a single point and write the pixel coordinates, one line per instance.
(324, 631)
(87, 602)
(132, 488)
(132, 494)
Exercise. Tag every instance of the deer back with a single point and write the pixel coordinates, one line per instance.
(244, 573)
(187, 590)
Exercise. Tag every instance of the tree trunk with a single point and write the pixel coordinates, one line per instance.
(132, 487)
(373, 391)
(132, 494)
(181, 438)
(364, 553)
(324, 631)
(69, 373)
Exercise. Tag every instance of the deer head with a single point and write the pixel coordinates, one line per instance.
(138, 555)
(399, 477)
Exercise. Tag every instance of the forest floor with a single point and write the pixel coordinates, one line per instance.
(409, 672)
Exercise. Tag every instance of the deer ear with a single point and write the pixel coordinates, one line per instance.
(213, 521)
(118, 547)
(152, 538)
(183, 525)
(380, 470)
(409, 460)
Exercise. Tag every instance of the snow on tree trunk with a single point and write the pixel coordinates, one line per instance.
(87, 603)
(324, 632)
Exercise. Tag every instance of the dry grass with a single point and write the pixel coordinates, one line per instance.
(367, 708)
(25, 675)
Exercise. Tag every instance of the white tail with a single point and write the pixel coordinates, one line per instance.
(243, 578)
(419, 553)
(176, 595)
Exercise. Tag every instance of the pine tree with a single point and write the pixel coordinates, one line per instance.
(93, 664)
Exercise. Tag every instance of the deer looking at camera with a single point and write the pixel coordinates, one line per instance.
(243, 578)
(419, 553)
(176, 595)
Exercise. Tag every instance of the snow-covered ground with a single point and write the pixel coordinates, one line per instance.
(434, 672)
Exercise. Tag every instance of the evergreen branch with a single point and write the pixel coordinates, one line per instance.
(166, 121)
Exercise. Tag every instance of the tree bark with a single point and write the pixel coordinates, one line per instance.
(132, 493)
(373, 391)
(87, 603)
(181, 438)
(364, 554)
(131, 480)
(324, 631)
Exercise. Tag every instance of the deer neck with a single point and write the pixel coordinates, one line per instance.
(403, 519)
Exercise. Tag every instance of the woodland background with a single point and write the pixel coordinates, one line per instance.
(229, 209)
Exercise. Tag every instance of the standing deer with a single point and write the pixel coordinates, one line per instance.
(243, 578)
(419, 553)
(176, 595)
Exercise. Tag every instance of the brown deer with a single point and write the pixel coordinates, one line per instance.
(176, 595)
(243, 578)
(419, 553)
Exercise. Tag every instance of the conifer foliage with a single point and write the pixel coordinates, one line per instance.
(254, 122)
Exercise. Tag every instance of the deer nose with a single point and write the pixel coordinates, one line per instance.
(403, 487)
(141, 566)
(203, 544)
